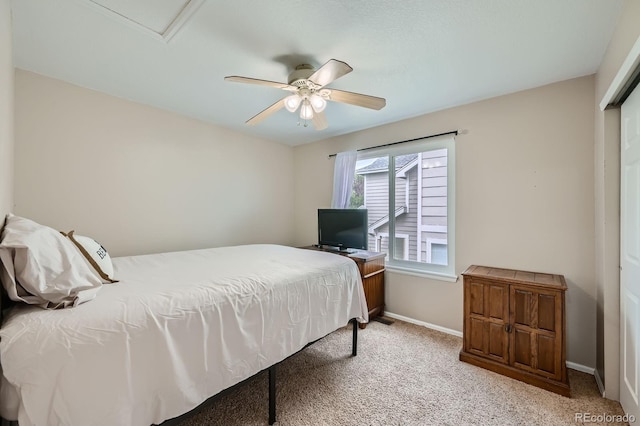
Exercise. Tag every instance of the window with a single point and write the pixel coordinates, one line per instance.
(408, 190)
(436, 251)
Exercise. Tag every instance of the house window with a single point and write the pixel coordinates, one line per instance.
(436, 251)
(408, 190)
(401, 246)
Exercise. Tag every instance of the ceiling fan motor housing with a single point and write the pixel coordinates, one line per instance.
(299, 76)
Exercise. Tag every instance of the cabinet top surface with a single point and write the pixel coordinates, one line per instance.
(357, 255)
(512, 275)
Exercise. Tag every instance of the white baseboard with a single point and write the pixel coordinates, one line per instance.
(599, 383)
(422, 323)
(572, 365)
(580, 367)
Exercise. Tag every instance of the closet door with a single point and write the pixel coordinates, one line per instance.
(630, 253)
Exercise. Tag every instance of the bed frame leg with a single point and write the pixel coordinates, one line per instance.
(354, 344)
(272, 394)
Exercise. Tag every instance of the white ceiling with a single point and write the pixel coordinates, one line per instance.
(421, 55)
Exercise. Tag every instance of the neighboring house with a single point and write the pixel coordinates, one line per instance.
(420, 205)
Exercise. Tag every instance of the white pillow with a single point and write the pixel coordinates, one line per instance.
(42, 267)
(95, 254)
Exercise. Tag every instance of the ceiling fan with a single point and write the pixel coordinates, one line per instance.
(309, 94)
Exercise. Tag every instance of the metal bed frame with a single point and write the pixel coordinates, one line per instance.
(272, 383)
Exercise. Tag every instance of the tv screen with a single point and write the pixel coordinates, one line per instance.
(343, 228)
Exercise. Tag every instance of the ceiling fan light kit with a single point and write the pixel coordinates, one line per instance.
(309, 94)
(310, 104)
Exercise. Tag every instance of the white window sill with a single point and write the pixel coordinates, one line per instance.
(420, 273)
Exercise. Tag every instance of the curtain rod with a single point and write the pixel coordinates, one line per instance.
(452, 132)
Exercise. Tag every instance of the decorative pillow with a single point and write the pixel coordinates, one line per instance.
(95, 254)
(42, 267)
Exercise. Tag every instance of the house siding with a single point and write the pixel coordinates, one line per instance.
(434, 197)
(406, 224)
(434, 184)
(376, 196)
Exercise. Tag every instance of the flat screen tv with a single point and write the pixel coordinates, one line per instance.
(343, 229)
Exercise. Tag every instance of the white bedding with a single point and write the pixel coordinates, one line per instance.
(178, 328)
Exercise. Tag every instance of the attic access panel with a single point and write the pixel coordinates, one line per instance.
(161, 19)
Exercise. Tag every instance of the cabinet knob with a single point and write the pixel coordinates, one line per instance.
(507, 328)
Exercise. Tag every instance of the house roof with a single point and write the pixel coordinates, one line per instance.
(385, 219)
(382, 164)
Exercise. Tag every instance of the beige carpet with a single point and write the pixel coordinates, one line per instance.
(403, 375)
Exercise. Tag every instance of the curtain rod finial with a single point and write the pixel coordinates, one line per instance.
(463, 131)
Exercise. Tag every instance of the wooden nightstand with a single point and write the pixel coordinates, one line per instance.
(371, 266)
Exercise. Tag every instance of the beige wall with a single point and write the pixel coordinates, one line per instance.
(525, 179)
(143, 180)
(6, 111)
(607, 195)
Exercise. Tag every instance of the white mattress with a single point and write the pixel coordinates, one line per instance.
(178, 328)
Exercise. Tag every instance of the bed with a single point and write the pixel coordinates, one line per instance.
(175, 330)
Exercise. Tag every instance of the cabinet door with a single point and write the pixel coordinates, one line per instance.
(536, 338)
(486, 316)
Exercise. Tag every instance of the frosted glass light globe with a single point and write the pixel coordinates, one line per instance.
(306, 111)
(317, 103)
(292, 102)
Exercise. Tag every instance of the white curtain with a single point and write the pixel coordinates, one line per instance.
(343, 174)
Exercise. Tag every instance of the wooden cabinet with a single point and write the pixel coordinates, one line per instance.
(371, 266)
(514, 324)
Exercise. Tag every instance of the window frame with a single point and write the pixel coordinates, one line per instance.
(439, 272)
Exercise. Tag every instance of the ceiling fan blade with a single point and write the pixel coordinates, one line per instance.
(358, 99)
(319, 121)
(330, 71)
(265, 113)
(283, 86)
